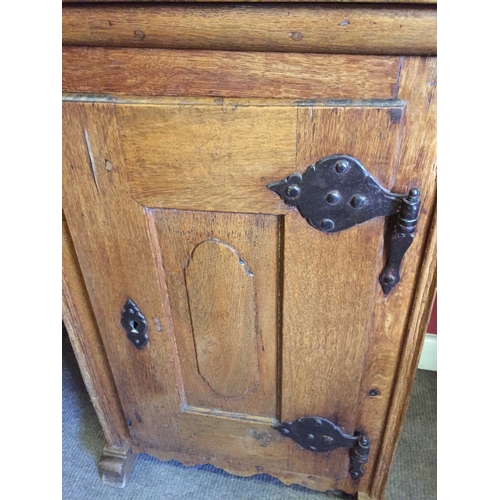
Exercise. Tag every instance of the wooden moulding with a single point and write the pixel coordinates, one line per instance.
(253, 1)
(329, 29)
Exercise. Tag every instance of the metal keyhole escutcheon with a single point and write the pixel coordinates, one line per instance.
(134, 324)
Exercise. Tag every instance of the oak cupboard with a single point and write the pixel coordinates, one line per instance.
(205, 311)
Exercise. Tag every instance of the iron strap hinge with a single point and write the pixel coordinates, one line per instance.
(337, 193)
(320, 435)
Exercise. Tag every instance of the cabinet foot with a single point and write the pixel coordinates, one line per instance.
(365, 496)
(116, 464)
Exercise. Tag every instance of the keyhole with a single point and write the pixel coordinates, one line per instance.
(134, 326)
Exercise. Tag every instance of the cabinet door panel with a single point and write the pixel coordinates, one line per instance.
(254, 316)
(221, 271)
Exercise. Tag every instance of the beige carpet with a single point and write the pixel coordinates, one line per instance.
(413, 475)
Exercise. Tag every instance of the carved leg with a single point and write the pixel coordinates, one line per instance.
(116, 464)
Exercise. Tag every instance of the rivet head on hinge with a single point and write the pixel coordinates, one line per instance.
(341, 166)
(357, 201)
(333, 198)
(327, 224)
(293, 191)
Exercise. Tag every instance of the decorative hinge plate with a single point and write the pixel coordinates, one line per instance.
(337, 193)
(318, 434)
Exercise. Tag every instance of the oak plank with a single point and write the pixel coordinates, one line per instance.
(116, 256)
(139, 71)
(232, 439)
(394, 359)
(212, 157)
(329, 284)
(87, 345)
(255, 240)
(257, 27)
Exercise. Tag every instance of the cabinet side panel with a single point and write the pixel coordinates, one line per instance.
(114, 249)
(222, 276)
(330, 281)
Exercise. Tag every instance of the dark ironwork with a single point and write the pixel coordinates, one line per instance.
(320, 435)
(134, 324)
(401, 237)
(358, 456)
(337, 193)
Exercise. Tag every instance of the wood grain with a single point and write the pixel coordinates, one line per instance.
(260, 466)
(255, 239)
(111, 239)
(87, 345)
(207, 157)
(391, 314)
(238, 440)
(417, 168)
(329, 284)
(222, 306)
(266, 28)
(227, 74)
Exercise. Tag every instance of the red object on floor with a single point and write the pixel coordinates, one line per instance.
(432, 327)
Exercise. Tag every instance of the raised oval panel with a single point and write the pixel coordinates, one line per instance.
(221, 296)
(222, 276)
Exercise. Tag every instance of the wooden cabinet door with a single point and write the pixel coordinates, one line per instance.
(254, 317)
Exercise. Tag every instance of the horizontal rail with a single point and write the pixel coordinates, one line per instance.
(328, 29)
